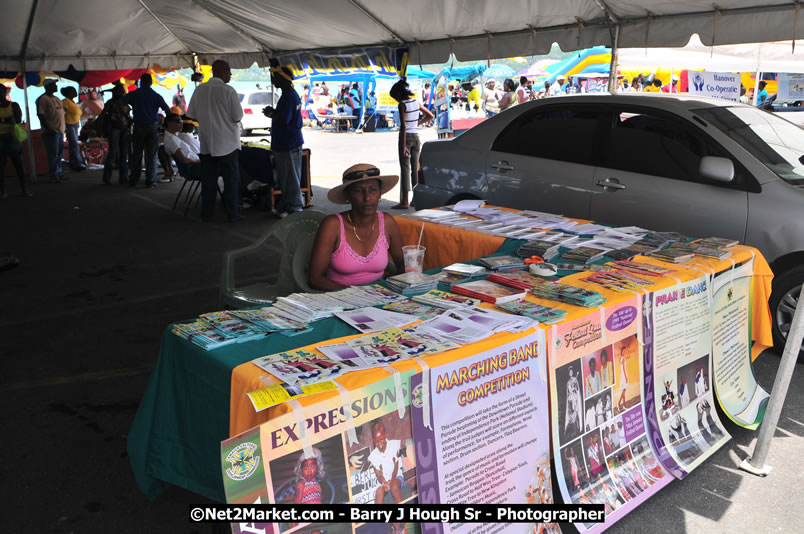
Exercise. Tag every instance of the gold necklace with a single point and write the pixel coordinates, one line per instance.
(354, 228)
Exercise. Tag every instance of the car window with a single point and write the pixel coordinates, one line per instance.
(571, 135)
(775, 142)
(240, 97)
(659, 145)
(260, 99)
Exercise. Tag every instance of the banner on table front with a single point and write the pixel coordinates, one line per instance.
(715, 84)
(790, 87)
(278, 462)
(682, 421)
(482, 433)
(739, 394)
(378, 60)
(600, 449)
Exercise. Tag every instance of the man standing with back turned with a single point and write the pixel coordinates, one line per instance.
(217, 110)
(286, 141)
(146, 103)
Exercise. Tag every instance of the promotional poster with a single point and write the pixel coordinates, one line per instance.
(683, 424)
(485, 435)
(278, 463)
(742, 399)
(601, 452)
(724, 85)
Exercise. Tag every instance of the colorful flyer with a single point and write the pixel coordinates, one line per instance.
(739, 395)
(601, 451)
(682, 420)
(274, 394)
(333, 451)
(488, 441)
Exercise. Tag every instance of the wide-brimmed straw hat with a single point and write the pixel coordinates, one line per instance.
(360, 173)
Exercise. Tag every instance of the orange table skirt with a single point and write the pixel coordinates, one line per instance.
(248, 377)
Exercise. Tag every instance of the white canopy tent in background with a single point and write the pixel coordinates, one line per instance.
(48, 35)
(763, 57)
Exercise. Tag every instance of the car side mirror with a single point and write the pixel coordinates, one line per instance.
(715, 168)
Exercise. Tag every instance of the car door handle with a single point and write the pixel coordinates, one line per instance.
(502, 166)
(611, 183)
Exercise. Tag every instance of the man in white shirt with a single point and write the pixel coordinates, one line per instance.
(182, 149)
(217, 110)
(384, 458)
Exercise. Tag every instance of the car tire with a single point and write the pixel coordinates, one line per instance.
(783, 300)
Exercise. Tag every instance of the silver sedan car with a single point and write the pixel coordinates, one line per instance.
(699, 166)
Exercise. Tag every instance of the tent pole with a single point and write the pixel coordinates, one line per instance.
(756, 78)
(31, 158)
(613, 67)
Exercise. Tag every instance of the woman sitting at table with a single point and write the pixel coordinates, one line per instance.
(352, 248)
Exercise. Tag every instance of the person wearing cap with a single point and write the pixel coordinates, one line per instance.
(146, 104)
(216, 107)
(411, 116)
(672, 87)
(51, 116)
(287, 141)
(72, 119)
(352, 247)
(117, 129)
(182, 149)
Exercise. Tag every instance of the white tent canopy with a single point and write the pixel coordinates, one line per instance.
(49, 35)
(763, 57)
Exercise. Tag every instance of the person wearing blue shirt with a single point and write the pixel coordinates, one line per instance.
(286, 141)
(146, 104)
(762, 96)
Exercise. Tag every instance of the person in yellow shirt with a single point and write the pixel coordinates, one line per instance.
(474, 99)
(655, 87)
(72, 118)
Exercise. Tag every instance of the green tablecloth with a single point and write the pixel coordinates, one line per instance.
(184, 414)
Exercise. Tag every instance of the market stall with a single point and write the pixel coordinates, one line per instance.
(195, 398)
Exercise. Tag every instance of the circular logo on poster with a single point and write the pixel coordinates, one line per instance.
(243, 461)
(417, 396)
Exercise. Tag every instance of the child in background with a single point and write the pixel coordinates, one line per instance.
(383, 459)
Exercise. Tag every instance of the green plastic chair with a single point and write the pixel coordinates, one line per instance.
(301, 263)
(291, 231)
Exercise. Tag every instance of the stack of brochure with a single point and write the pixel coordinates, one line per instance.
(443, 299)
(583, 254)
(502, 263)
(488, 291)
(555, 290)
(395, 344)
(673, 255)
(717, 242)
(266, 320)
(412, 282)
(307, 307)
(538, 247)
(518, 279)
(465, 269)
(641, 269)
(447, 279)
(362, 296)
(231, 326)
(629, 252)
(619, 280)
(202, 334)
(537, 312)
(409, 307)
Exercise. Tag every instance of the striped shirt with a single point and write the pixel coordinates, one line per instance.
(411, 115)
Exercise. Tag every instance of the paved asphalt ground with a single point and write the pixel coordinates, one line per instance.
(105, 268)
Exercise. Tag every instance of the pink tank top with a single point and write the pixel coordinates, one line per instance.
(349, 268)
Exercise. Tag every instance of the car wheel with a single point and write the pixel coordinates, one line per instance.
(783, 301)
